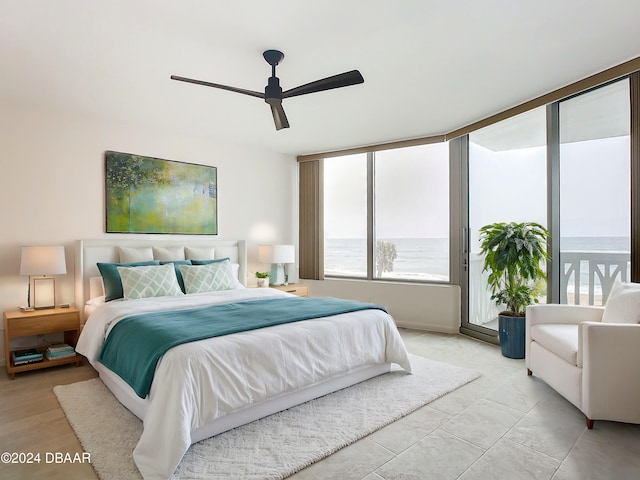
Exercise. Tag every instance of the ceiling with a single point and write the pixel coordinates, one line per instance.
(603, 113)
(429, 66)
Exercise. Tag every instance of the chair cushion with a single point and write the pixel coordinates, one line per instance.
(623, 304)
(561, 339)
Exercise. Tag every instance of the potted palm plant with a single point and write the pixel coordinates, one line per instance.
(514, 257)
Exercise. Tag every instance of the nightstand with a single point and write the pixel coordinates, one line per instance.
(39, 322)
(294, 288)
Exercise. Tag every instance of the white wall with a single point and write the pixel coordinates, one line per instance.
(52, 188)
(424, 307)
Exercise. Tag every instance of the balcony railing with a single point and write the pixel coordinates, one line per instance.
(587, 278)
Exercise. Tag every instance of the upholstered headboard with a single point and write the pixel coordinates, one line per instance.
(90, 252)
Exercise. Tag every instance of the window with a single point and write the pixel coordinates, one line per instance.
(345, 216)
(595, 193)
(412, 213)
(507, 178)
(408, 211)
(573, 161)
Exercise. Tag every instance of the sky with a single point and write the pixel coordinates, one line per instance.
(412, 194)
(412, 184)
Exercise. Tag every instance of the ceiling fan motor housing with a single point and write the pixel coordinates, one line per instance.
(273, 91)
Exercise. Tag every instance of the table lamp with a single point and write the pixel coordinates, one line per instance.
(42, 261)
(278, 256)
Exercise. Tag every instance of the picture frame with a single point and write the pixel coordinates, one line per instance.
(153, 195)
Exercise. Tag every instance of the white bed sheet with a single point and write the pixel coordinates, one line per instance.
(199, 382)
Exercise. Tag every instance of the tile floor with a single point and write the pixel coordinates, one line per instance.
(504, 425)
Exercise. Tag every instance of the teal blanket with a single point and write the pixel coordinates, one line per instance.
(136, 343)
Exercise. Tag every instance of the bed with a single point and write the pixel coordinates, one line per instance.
(204, 387)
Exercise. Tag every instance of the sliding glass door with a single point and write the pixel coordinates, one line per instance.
(568, 167)
(595, 193)
(507, 183)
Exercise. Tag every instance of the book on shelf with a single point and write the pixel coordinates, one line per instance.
(60, 350)
(54, 356)
(59, 347)
(28, 355)
(17, 363)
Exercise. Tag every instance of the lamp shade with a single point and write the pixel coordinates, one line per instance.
(43, 261)
(276, 254)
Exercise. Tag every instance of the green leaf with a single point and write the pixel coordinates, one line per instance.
(514, 254)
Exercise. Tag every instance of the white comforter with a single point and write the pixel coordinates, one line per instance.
(198, 382)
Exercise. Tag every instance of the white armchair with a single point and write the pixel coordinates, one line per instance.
(590, 360)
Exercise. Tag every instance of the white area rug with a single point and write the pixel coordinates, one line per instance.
(271, 448)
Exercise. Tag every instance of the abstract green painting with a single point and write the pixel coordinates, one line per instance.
(151, 195)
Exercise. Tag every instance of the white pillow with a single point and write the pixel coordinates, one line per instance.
(168, 254)
(96, 287)
(623, 304)
(199, 253)
(131, 255)
(211, 277)
(149, 281)
(235, 268)
(96, 301)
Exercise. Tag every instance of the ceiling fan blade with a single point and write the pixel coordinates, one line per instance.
(217, 85)
(279, 117)
(341, 80)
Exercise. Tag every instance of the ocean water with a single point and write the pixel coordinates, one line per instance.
(428, 258)
(595, 244)
(419, 258)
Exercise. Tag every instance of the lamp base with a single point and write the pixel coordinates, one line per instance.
(277, 276)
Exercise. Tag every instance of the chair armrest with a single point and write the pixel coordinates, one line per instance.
(571, 314)
(611, 373)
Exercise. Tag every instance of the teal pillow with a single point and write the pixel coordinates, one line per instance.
(176, 265)
(111, 277)
(207, 262)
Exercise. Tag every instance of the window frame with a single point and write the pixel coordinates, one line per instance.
(310, 191)
(371, 219)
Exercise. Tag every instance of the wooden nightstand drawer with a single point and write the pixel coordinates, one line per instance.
(36, 325)
(299, 290)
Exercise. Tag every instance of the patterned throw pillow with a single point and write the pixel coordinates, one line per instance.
(176, 265)
(152, 281)
(207, 278)
(111, 277)
(235, 267)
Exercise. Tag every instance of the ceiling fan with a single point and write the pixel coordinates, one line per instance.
(273, 93)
